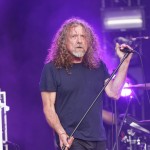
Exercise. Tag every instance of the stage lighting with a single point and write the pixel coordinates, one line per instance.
(123, 18)
(126, 92)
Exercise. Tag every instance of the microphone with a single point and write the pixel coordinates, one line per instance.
(127, 50)
(140, 38)
(123, 40)
(131, 40)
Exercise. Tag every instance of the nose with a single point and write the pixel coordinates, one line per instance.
(79, 39)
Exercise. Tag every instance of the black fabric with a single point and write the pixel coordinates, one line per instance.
(75, 93)
(87, 145)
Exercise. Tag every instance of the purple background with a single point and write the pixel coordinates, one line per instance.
(26, 31)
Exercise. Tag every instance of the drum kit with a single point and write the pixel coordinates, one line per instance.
(135, 134)
(145, 86)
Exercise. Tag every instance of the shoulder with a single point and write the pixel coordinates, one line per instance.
(103, 68)
(102, 65)
(49, 66)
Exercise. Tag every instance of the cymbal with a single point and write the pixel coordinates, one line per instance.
(145, 123)
(139, 86)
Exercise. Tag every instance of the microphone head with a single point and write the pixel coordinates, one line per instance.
(123, 40)
(128, 41)
(127, 50)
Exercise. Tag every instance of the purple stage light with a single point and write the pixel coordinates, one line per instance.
(126, 92)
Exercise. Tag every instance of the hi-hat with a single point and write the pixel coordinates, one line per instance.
(145, 123)
(139, 86)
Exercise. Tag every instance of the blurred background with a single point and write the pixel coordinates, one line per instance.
(27, 29)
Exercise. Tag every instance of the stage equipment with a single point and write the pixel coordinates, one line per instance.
(126, 91)
(134, 135)
(123, 18)
(3, 121)
(129, 40)
(145, 86)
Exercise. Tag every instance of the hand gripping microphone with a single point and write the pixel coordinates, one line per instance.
(127, 50)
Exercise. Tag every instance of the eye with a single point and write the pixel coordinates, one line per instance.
(83, 36)
(74, 35)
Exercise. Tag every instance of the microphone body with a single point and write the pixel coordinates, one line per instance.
(127, 50)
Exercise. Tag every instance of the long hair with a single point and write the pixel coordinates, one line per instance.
(60, 55)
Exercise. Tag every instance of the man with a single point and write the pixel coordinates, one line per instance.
(71, 79)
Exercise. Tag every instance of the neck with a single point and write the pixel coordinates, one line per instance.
(77, 60)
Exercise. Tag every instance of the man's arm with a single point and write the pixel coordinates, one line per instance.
(108, 117)
(115, 86)
(48, 99)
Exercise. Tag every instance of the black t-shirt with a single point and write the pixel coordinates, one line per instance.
(75, 93)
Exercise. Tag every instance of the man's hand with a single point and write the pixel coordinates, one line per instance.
(120, 53)
(65, 140)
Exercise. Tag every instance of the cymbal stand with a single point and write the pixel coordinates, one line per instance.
(3, 121)
(118, 130)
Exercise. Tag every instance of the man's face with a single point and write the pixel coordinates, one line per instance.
(76, 41)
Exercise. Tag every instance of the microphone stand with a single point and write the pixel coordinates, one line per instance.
(110, 78)
(118, 130)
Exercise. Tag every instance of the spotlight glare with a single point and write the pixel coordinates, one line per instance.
(126, 92)
(123, 21)
(123, 18)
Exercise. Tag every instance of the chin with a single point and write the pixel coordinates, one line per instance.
(78, 55)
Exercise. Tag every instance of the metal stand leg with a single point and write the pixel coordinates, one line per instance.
(3, 121)
(1, 134)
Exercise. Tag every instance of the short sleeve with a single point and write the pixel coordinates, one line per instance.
(48, 80)
(106, 74)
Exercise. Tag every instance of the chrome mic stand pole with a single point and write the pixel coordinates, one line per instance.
(112, 75)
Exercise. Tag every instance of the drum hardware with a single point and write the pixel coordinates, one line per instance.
(3, 121)
(134, 142)
(134, 136)
(135, 124)
(145, 86)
